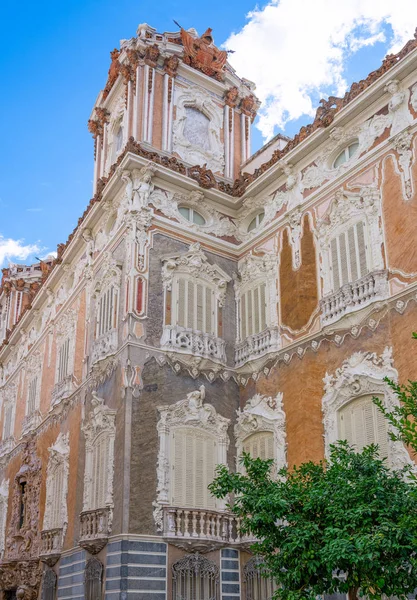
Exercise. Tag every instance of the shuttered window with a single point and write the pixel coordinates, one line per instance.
(63, 360)
(193, 468)
(8, 421)
(361, 424)
(348, 256)
(32, 395)
(107, 312)
(195, 306)
(253, 311)
(57, 492)
(100, 464)
(260, 445)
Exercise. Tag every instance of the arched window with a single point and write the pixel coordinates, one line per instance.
(361, 423)
(49, 584)
(260, 445)
(191, 215)
(195, 578)
(259, 586)
(256, 221)
(193, 467)
(346, 154)
(93, 577)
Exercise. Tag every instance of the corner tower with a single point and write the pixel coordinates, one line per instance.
(174, 93)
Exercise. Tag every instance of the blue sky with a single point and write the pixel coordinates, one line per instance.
(54, 61)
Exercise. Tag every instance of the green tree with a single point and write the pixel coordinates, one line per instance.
(347, 525)
(403, 417)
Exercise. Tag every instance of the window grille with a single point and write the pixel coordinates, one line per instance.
(260, 445)
(195, 306)
(348, 256)
(258, 585)
(193, 468)
(195, 578)
(361, 424)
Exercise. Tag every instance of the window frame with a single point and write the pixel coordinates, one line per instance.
(346, 152)
(192, 212)
(258, 221)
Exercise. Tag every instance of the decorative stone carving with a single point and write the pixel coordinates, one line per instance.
(201, 53)
(413, 99)
(23, 532)
(294, 220)
(362, 374)
(101, 420)
(188, 412)
(4, 502)
(23, 576)
(138, 187)
(198, 144)
(262, 413)
(58, 459)
(403, 145)
(398, 107)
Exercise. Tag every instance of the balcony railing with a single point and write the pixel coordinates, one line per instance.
(256, 346)
(188, 341)
(95, 528)
(31, 421)
(104, 345)
(62, 390)
(51, 545)
(354, 296)
(200, 529)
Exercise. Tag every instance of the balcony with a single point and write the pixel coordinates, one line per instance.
(256, 346)
(201, 530)
(95, 528)
(62, 390)
(30, 422)
(189, 341)
(51, 545)
(104, 345)
(354, 296)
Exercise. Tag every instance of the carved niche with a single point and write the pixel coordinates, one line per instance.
(262, 414)
(190, 412)
(23, 537)
(197, 126)
(363, 373)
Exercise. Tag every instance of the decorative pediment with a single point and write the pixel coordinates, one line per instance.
(65, 325)
(256, 266)
(100, 419)
(110, 274)
(193, 411)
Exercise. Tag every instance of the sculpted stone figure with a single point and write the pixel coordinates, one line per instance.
(202, 54)
(89, 248)
(398, 107)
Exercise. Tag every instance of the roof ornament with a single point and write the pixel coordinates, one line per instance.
(201, 53)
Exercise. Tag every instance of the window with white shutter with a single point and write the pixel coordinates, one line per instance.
(100, 471)
(8, 420)
(348, 260)
(195, 305)
(361, 423)
(32, 398)
(107, 311)
(253, 311)
(57, 496)
(63, 360)
(194, 459)
(260, 445)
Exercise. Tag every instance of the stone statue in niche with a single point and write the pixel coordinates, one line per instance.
(89, 245)
(398, 107)
(196, 410)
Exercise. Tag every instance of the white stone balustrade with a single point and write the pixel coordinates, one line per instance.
(31, 421)
(51, 544)
(255, 346)
(95, 528)
(188, 341)
(62, 390)
(354, 296)
(104, 345)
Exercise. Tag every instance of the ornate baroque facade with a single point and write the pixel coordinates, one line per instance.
(208, 302)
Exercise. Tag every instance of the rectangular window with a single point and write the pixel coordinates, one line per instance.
(8, 421)
(100, 472)
(253, 311)
(107, 312)
(63, 360)
(348, 256)
(32, 395)
(195, 306)
(362, 424)
(57, 484)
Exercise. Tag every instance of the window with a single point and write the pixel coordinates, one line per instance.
(118, 140)
(260, 445)
(348, 256)
(258, 586)
(193, 468)
(93, 577)
(195, 578)
(4, 499)
(8, 420)
(253, 310)
(32, 399)
(56, 497)
(63, 361)
(191, 215)
(22, 504)
(346, 154)
(195, 304)
(361, 423)
(100, 472)
(49, 584)
(107, 311)
(256, 221)
(56, 515)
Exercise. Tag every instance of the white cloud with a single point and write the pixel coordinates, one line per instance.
(15, 250)
(294, 49)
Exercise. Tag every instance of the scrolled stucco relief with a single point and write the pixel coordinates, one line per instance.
(100, 420)
(403, 144)
(346, 209)
(363, 373)
(398, 111)
(262, 413)
(58, 457)
(117, 119)
(192, 412)
(191, 143)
